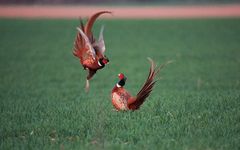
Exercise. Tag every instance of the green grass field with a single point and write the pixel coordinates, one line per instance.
(194, 106)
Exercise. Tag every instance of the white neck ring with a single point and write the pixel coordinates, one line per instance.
(118, 85)
(99, 64)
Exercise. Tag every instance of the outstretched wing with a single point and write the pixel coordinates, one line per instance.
(83, 48)
(84, 43)
(100, 44)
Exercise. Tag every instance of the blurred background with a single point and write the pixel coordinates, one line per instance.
(114, 2)
(195, 105)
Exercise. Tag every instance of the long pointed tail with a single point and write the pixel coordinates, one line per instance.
(147, 86)
(91, 21)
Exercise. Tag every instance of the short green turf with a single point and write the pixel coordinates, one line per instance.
(195, 105)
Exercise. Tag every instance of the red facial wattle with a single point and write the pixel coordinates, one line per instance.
(121, 76)
(105, 61)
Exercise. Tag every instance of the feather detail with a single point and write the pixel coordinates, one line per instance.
(88, 44)
(77, 46)
(90, 22)
(100, 44)
(147, 86)
(81, 23)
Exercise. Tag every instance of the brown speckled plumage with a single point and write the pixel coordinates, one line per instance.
(120, 96)
(88, 49)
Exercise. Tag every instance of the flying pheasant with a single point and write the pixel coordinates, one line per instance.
(121, 98)
(89, 50)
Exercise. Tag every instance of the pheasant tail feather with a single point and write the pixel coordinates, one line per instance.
(147, 86)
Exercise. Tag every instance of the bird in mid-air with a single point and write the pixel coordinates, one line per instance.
(121, 98)
(89, 50)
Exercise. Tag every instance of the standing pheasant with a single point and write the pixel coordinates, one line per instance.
(121, 98)
(89, 50)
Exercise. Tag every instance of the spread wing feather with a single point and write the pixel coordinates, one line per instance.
(85, 42)
(90, 48)
(100, 44)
